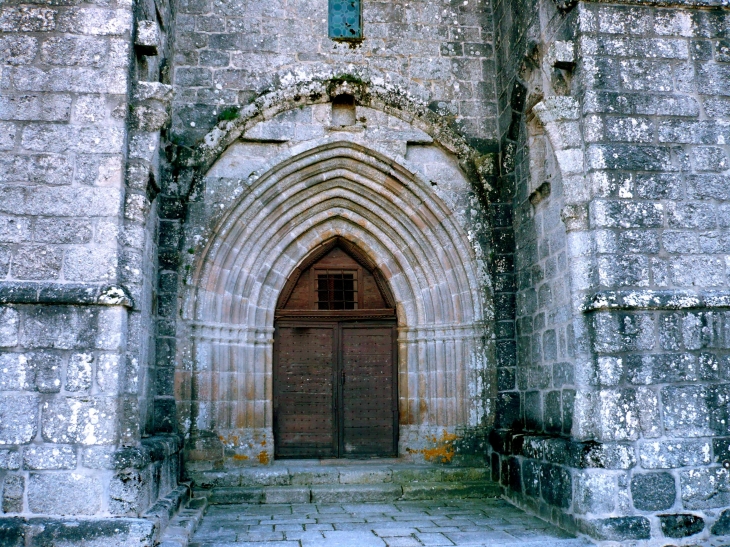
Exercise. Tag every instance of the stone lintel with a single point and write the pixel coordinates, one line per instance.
(73, 294)
(657, 300)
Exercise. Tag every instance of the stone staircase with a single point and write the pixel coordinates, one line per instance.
(353, 481)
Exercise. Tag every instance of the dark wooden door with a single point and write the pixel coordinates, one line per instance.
(335, 388)
(368, 407)
(304, 391)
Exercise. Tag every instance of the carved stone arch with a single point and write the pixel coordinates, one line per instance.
(336, 191)
(405, 100)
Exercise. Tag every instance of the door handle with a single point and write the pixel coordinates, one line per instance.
(343, 377)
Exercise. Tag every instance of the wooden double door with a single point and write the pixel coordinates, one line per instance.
(335, 390)
(335, 359)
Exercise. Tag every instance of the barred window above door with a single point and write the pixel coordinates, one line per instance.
(345, 19)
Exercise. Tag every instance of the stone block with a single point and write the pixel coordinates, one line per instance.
(14, 229)
(59, 327)
(49, 457)
(90, 109)
(96, 170)
(722, 524)
(355, 493)
(595, 492)
(27, 19)
(75, 50)
(62, 230)
(18, 50)
(13, 488)
(98, 457)
(623, 271)
(62, 138)
(682, 525)
(18, 418)
(36, 262)
(96, 21)
(556, 485)
(131, 491)
(9, 325)
(653, 491)
(302, 476)
(705, 488)
(147, 38)
(287, 494)
(80, 420)
(673, 454)
(109, 372)
(619, 332)
(91, 264)
(79, 372)
(64, 494)
(624, 214)
(365, 476)
(9, 460)
(619, 528)
(686, 413)
(707, 186)
(45, 169)
(47, 371)
(16, 373)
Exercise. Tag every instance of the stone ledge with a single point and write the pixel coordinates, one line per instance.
(650, 300)
(40, 532)
(691, 4)
(73, 294)
(564, 451)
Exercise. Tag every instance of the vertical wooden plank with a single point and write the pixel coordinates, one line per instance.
(369, 415)
(304, 421)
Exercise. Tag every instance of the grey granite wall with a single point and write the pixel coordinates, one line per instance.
(77, 263)
(625, 120)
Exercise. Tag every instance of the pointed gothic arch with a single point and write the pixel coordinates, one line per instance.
(400, 227)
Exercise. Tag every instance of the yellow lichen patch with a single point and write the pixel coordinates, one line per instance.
(443, 451)
(240, 457)
(264, 457)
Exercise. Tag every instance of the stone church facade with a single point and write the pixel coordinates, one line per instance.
(539, 189)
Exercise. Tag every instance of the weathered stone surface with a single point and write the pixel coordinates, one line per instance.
(18, 418)
(79, 372)
(722, 524)
(9, 459)
(619, 529)
(64, 494)
(705, 487)
(13, 488)
(49, 457)
(595, 492)
(672, 454)
(82, 420)
(8, 327)
(653, 491)
(680, 526)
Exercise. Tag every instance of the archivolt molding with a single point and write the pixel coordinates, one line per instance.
(404, 100)
(342, 189)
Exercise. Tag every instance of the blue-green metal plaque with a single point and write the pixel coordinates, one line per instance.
(345, 19)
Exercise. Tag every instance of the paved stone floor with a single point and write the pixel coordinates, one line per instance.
(490, 522)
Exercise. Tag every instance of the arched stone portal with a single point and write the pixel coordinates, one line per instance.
(346, 190)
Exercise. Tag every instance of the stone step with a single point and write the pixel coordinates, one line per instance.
(294, 474)
(350, 493)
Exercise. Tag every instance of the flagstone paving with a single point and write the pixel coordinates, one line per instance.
(492, 522)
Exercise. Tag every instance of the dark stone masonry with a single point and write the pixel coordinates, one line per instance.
(539, 188)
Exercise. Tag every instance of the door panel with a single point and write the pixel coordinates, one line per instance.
(304, 391)
(368, 390)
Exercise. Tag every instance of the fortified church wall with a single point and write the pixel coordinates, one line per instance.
(544, 185)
